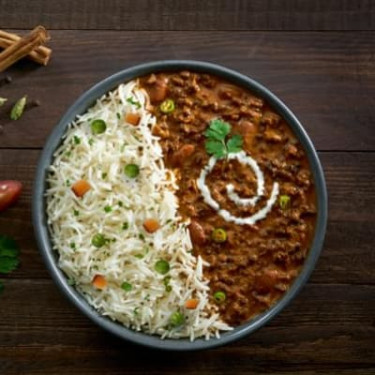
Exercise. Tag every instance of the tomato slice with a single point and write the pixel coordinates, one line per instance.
(10, 191)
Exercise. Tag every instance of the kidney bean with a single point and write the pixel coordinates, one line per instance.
(183, 153)
(197, 233)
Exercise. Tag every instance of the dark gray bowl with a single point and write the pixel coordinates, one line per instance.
(40, 219)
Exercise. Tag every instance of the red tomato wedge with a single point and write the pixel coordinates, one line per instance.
(10, 191)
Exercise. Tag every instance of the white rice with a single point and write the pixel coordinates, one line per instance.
(131, 254)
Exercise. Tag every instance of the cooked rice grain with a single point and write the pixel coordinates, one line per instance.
(130, 254)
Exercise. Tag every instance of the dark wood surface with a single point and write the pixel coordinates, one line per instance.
(190, 14)
(318, 57)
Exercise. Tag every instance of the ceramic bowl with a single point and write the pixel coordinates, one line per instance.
(51, 257)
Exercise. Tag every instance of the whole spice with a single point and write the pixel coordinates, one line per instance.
(23, 47)
(40, 54)
(6, 80)
(18, 108)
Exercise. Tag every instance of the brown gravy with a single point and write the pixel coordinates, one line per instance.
(257, 263)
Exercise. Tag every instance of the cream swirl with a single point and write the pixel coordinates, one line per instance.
(250, 220)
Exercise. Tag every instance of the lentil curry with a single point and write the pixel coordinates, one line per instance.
(244, 184)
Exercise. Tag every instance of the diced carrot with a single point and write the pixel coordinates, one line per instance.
(191, 304)
(151, 225)
(80, 188)
(132, 118)
(99, 282)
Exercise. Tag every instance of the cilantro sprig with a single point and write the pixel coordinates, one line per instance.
(9, 253)
(219, 143)
(131, 101)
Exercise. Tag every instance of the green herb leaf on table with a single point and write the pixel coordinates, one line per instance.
(219, 143)
(18, 108)
(8, 264)
(8, 254)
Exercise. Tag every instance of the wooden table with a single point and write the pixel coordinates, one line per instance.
(318, 57)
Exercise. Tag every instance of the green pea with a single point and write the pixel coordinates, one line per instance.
(176, 319)
(162, 266)
(220, 297)
(98, 126)
(131, 170)
(98, 240)
(126, 286)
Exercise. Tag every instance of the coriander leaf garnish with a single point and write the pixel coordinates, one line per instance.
(2, 101)
(8, 264)
(8, 254)
(234, 144)
(216, 148)
(217, 143)
(218, 129)
(130, 100)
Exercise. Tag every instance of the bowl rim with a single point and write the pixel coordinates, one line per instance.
(42, 235)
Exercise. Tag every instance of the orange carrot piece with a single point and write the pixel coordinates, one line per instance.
(80, 188)
(99, 282)
(191, 304)
(151, 225)
(132, 118)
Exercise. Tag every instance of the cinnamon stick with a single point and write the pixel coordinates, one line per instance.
(40, 54)
(23, 47)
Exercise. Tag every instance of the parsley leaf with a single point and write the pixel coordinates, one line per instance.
(8, 247)
(8, 264)
(8, 254)
(217, 143)
(218, 130)
(216, 148)
(235, 143)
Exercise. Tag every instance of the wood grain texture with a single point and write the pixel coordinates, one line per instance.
(190, 15)
(326, 327)
(327, 79)
(347, 256)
